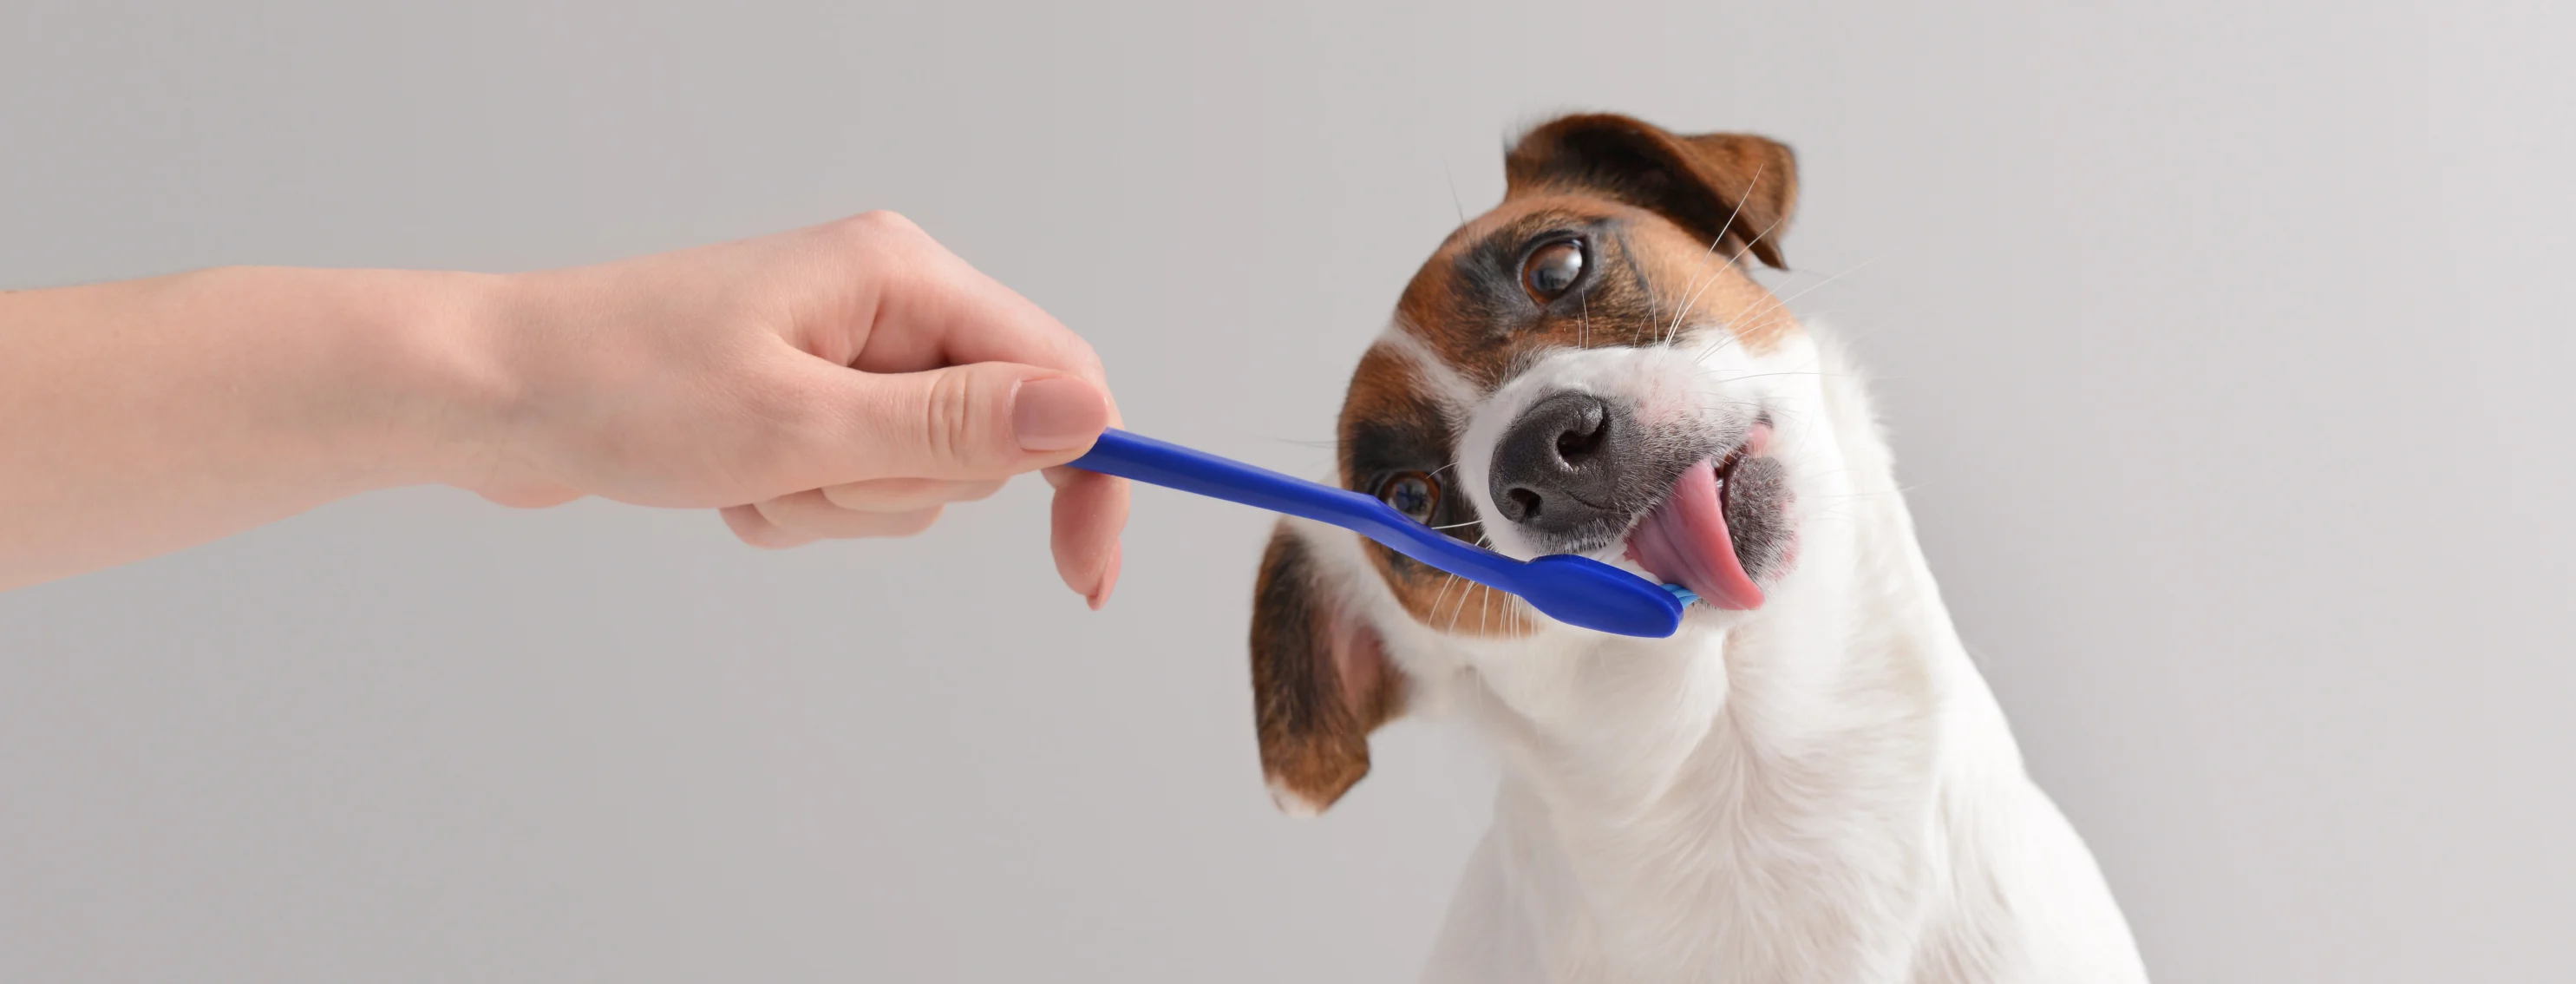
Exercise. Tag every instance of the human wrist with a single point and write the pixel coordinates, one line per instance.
(429, 349)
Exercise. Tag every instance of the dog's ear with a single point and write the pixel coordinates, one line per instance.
(1321, 679)
(1732, 189)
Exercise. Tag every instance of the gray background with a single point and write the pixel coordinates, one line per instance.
(2225, 349)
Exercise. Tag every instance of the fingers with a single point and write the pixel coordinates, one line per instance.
(977, 422)
(538, 495)
(885, 507)
(934, 309)
(1089, 512)
(749, 526)
(886, 495)
(802, 518)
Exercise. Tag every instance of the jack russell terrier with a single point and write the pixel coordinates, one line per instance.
(1810, 782)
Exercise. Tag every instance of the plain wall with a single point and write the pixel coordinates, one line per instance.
(2226, 353)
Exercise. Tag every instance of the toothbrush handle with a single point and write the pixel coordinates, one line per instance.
(1129, 455)
(1147, 460)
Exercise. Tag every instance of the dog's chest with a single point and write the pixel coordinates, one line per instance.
(1783, 835)
(1739, 874)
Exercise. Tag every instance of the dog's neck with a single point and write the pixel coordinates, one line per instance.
(1763, 796)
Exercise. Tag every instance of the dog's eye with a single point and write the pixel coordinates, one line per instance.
(1413, 494)
(1552, 270)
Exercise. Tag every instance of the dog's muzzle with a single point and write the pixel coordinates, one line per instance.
(1576, 472)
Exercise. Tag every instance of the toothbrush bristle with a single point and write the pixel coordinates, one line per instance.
(1682, 593)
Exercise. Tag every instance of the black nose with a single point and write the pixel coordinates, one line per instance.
(1557, 468)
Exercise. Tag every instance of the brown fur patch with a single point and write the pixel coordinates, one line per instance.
(1714, 287)
(1451, 603)
(1733, 189)
(1393, 424)
(1320, 679)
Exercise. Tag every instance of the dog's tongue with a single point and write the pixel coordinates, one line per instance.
(1684, 541)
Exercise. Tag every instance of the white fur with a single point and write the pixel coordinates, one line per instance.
(1822, 789)
(1447, 385)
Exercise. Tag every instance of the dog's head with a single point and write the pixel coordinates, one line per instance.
(1588, 368)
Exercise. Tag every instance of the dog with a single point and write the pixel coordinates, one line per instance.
(1810, 781)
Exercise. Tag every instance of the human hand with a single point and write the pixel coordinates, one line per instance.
(844, 380)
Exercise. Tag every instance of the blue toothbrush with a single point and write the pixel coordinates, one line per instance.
(1571, 589)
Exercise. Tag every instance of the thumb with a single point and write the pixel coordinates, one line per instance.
(983, 420)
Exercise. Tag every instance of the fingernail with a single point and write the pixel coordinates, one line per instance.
(1108, 577)
(1058, 413)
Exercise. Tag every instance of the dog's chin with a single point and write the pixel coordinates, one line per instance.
(1722, 530)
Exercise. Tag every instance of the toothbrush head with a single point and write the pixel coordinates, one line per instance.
(1585, 592)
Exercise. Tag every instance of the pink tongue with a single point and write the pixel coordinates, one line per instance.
(1684, 541)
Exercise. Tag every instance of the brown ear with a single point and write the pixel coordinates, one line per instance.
(1732, 189)
(1321, 680)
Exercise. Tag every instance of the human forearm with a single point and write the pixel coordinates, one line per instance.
(145, 416)
(848, 379)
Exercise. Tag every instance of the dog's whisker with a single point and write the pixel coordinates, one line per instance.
(1711, 276)
(1443, 593)
(1731, 261)
(1304, 443)
(1671, 333)
(1462, 596)
(1782, 303)
(1584, 340)
(1780, 372)
(1453, 192)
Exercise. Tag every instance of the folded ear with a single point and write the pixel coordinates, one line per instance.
(1321, 680)
(1732, 189)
